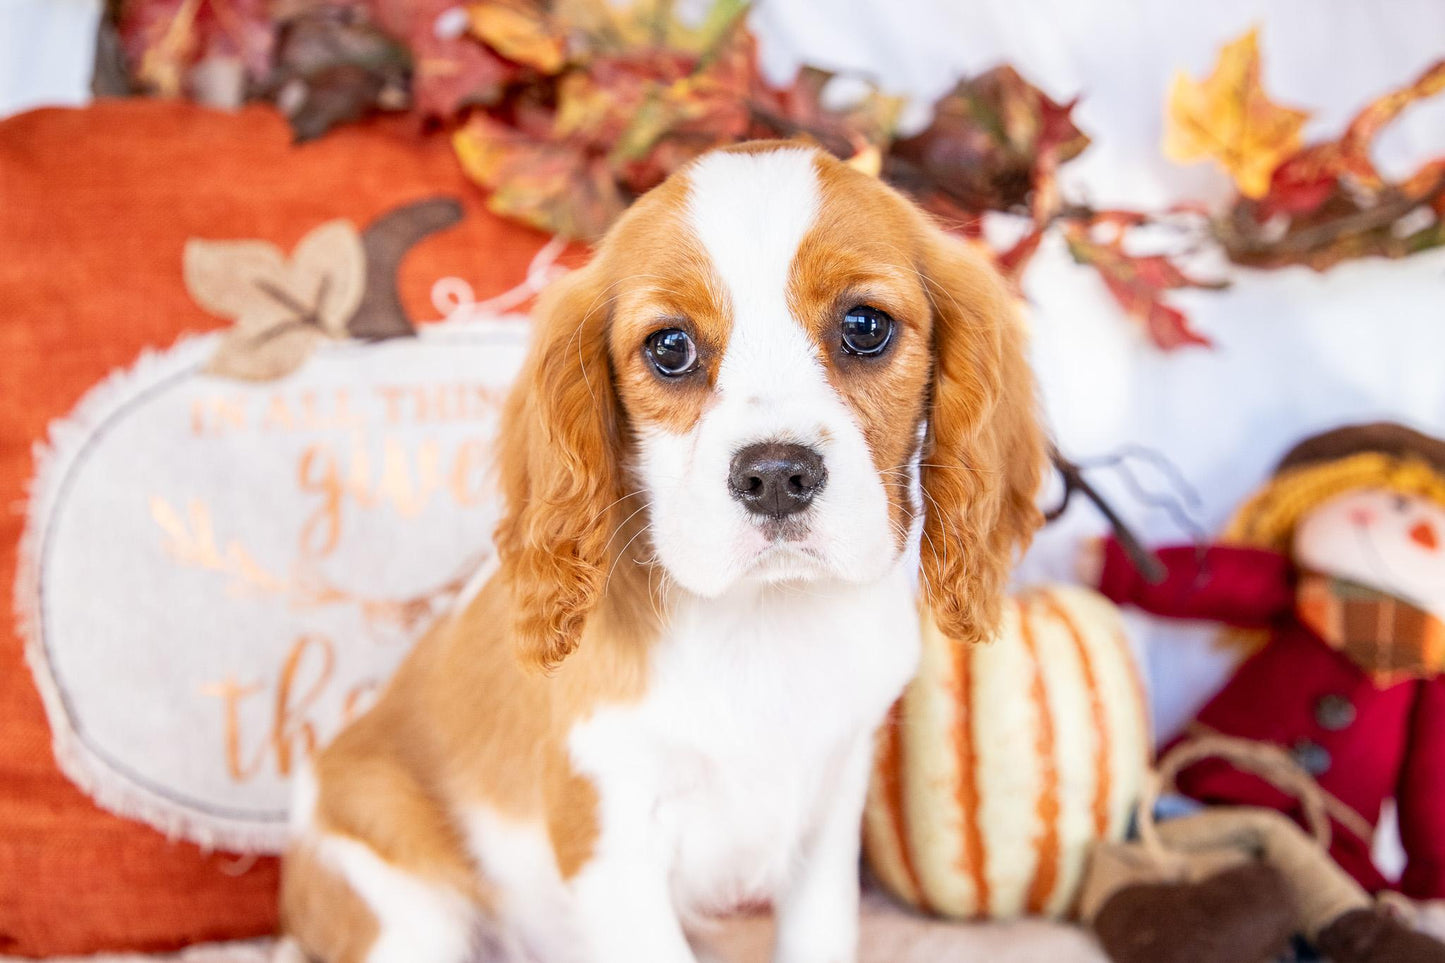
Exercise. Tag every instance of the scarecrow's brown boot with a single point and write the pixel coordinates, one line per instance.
(1374, 936)
(1240, 915)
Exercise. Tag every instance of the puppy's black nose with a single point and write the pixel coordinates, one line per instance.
(775, 478)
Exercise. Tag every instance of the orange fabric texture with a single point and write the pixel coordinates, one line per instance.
(95, 207)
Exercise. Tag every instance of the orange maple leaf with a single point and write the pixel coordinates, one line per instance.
(520, 32)
(1228, 118)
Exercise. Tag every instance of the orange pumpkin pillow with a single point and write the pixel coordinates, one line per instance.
(98, 207)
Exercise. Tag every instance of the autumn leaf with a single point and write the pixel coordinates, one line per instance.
(1359, 137)
(451, 69)
(622, 104)
(649, 111)
(162, 42)
(282, 308)
(994, 144)
(1228, 118)
(334, 66)
(520, 31)
(847, 115)
(705, 105)
(550, 186)
(1138, 284)
(166, 40)
(565, 111)
(570, 156)
(1012, 262)
(610, 27)
(1328, 203)
(1304, 181)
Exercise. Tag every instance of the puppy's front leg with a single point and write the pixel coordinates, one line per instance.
(624, 904)
(818, 914)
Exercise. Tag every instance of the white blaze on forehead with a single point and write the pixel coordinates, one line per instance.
(750, 213)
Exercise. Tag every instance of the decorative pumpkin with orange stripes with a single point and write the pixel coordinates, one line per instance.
(1003, 764)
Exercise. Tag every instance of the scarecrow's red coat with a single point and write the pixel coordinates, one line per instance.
(1364, 744)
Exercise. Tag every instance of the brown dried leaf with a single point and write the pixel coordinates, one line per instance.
(334, 66)
(810, 108)
(994, 144)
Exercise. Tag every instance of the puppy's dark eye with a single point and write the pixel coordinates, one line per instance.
(866, 331)
(671, 351)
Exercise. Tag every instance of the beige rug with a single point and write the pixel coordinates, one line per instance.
(890, 935)
(894, 935)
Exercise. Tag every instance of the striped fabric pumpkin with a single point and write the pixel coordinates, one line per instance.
(1004, 763)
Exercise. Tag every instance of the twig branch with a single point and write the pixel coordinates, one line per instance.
(1243, 244)
(1144, 560)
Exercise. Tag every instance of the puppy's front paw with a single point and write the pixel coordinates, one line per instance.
(816, 955)
(820, 941)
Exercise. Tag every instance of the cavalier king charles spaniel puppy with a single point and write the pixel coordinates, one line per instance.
(777, 414)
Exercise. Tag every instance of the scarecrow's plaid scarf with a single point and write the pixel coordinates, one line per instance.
(1387, 637)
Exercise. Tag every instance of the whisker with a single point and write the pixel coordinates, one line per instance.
(620, 526)
(623, 554)
(640, 491)
(655, 601)
(972, 468)
(948, 525)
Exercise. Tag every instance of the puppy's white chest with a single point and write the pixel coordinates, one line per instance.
(753, 706)
(735, 821)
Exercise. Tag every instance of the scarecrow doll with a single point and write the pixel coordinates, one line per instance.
(1333, 574)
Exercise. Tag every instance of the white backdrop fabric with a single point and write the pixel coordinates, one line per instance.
(1296, 351)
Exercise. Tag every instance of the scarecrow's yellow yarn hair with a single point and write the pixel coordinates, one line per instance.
(1268, 518)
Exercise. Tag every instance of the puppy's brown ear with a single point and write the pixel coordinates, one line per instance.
(560, 472)
(984, 455)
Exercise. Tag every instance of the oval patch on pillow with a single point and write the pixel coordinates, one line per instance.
(217, 574)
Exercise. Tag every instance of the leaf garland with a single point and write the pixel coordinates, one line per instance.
(1327, 202)
(1138, 283)
(567, 110)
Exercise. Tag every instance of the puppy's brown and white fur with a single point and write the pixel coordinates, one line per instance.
(715, 673)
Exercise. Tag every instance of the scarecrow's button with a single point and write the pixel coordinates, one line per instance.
(1334, 712)
(1312, 757)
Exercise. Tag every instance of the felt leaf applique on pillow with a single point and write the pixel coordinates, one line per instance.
(283, 308)
(337, 284)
